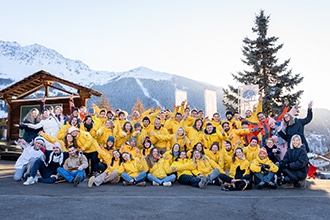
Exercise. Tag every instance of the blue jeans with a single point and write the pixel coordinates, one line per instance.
(140, 178)
(264, 177)
(170, 178)
(70, 176)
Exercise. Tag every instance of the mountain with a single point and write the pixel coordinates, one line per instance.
(122, 89)
(153, 88)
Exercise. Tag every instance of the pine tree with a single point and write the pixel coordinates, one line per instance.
(103, 102)
(138, 106)
(275, 82)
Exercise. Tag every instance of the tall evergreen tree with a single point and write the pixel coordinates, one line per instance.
(275, 82)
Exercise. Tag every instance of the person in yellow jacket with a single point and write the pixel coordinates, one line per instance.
(251, 151)
(216, 121)
(73, 121)
(263, 170)
(135, 170)
(235, 135)
(159, 136)
(211, 134)
(159, 173)
(146, 147)
(123, 135)
(180, 138)
(239, 177)
(214, 152)
(202, 166)
(252, 116)
(172, 124)
(105, 153)
(65, 143)
(87, 145)
(130, 147)
(226, 157)
(140, 134)
(194, 133)
(173, 154)
(198, 146)
(186, 176)
(89, 125)
(104, 132)
(119, 122)
(101, 114)
(111, 174)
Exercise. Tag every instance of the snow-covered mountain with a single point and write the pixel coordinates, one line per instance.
(153, 88)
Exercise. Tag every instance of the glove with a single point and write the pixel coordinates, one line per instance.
(263, 168)
(266, 166)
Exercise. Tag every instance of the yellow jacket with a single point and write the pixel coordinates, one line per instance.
(244, 164)
(159, 138)
(63, 131)
(180, 162)
(140, 136)
(86, 142)
(234, 135)
(203, 166)
(255, 165)
(135, 166)
(52, 140)
(121, 138)
(134, 151)
(225, 160)
(116, 167)
(102, 135)
(194, 136)
(251, 152)
(183, 141)
(209, 139)
(213, 156)
(160, 169)
(104, 154)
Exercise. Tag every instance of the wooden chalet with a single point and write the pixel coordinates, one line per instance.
(16, 97)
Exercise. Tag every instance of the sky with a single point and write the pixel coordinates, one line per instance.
(201, 40)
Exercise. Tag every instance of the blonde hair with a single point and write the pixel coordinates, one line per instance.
(300, 142)
(29, 117)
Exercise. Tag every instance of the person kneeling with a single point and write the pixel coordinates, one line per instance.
(263, 170)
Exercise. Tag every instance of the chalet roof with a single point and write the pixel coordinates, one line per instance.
(37, 81)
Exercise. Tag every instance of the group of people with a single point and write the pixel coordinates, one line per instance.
(162, 147)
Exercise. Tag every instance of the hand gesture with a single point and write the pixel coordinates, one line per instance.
(310, 104)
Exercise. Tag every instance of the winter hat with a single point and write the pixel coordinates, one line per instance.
(75, 109)
(245, 123)
(109, 111)
(132, 139)
(58, 145)
(72, 129)
(137, 124)
(263, 151)
(254, 138)
(111, 138)
(40, 140)
(229, 113)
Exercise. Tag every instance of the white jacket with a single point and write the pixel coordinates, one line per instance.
(28, 153)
